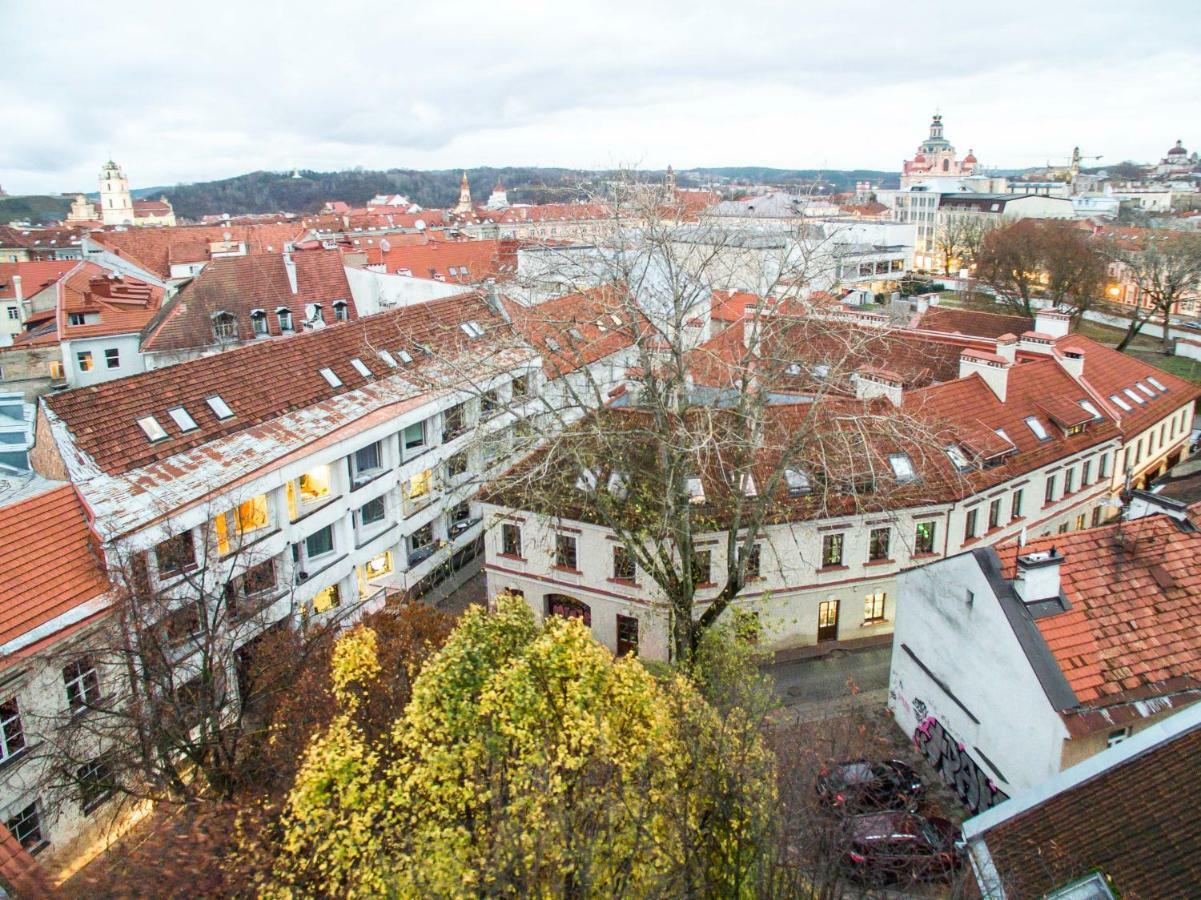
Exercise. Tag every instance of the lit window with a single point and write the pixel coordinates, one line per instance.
(1119, 402)
(1037, 427)
(152, 429)
(873, 607)
(420, 484)
(84, 358)
(330, 378)
(1089, 408)
(219, 407)
(315, 484)
(327, 599)
(923, 537)
(360, 367)
(902, 467)
(181, 418)
(379, 565)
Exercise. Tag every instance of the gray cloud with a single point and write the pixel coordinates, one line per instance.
(181, 93)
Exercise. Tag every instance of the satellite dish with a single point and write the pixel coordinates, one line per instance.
(419, 225)
(385, 245)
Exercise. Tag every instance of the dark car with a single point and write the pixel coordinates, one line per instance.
(897, 846)
(861, 785)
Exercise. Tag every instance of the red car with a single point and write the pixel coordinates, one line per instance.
(897, 846)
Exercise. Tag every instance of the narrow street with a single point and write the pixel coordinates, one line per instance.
(815, 688)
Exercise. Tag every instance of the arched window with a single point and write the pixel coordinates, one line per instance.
(225, 326)
(946, 165)
(568, 608)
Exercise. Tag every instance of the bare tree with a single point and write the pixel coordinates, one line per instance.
(1038, 259)
(672, 433)
(1165, 268)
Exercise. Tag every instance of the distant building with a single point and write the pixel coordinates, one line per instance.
(463, 207)
(117, 206)
(1177, 161)
(499, 198)
(936, 156)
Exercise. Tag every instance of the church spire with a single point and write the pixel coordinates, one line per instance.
(463, 207)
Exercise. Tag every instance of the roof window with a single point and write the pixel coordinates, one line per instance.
(618, 485)
(1133, 396)
(387, 357)
(793, 369)
(405, 356)
(696, 490)
(1119, 402)
(958, 458)
(552, 344)
(330, 377)
(1159, 385)
(360, 367)
(152, 429)
(747, 485)
(587, 481)
(472, 329)
(181, 418)
(219, 407)
(821, 370)
(1037, 427)
(1089, 408)
(1146, 390)
(902, 467)
(575, 334)
(797, 481)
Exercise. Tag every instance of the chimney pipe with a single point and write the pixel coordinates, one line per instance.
(1038, 576)
(17, 287)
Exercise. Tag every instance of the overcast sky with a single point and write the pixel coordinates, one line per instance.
(180, 93)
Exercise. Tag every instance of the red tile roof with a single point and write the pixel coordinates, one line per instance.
(971, 322)
(124, 305)
(1135, 822)
(435, 259)
(155, 249)
(589, 314)
(50, 564)
(1134, 621)
(241, 284)
(1109, 372)
(259, 381)
(35, 276)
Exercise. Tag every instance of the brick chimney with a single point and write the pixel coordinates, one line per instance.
(1038, 576)
(992, 367)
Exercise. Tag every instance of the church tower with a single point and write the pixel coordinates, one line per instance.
(463, 207)
(499, 199)
(116, 204)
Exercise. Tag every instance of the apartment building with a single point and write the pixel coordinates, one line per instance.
(1035, 445)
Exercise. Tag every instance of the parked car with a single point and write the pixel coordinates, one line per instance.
(861, 785)
(896, 846)
(1192, 323)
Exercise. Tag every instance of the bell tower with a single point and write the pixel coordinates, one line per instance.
(116, 205)
(463, 207)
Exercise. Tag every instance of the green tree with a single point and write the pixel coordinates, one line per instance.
(530, 762)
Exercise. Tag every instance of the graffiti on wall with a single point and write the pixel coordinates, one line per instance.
(956, 767)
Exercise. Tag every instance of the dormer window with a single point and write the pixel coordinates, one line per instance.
(341, 310)
(225, 326)
(258, 322)
(285, 318)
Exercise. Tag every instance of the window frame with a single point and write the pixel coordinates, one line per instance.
(81, 680)
(874, 553)
(834, 541)
(624, 565)
(874, 606)
(566, 552)
(12, 730)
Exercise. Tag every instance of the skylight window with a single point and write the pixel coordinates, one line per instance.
(1159, 385)
(575, 334)
(793, 369)
(472, 329)
(181, 418)
(797, 481)
(1001, 434)
(552, 344)
(152, 429)
(1089, 408)
(586, 482)
(330, 377)
(902, 467)
(618, 486)
(1037, 427)
(219, 407)
(958, 459)
(1146, 390)
(1119, 402)
(1133, 396)
(821, 370)
(360, 367)
(405, 356)
(615, 319)
(387, 357)
(747, 485)
(696, 490)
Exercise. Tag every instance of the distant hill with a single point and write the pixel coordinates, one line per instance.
(267, 192)
(34, 209)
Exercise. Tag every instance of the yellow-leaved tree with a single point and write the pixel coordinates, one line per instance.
(530, 762)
